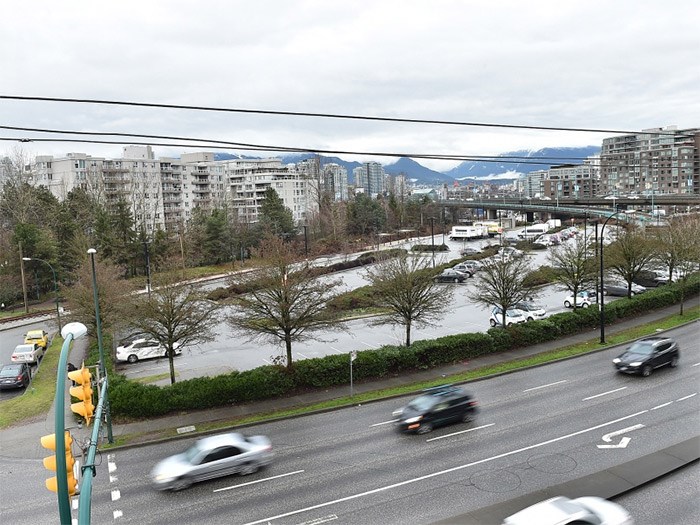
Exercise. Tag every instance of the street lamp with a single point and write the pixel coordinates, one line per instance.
(100, 347)
(602, 284)
(55, 286)
(70, 331)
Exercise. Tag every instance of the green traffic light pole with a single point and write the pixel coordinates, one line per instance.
(85, 499)
(70, 331)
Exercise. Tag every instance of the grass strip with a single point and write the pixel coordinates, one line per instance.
(39, 395)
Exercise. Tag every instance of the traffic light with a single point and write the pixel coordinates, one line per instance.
(83, 391)
(49, 442)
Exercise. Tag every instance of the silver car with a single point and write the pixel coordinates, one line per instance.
(212, 457)
(560, 511)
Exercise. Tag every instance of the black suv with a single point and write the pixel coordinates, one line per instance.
(437, 406)
(647, 354)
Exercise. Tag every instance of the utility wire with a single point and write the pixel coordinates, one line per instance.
(266, 147)
(318, 115)
(287, 150)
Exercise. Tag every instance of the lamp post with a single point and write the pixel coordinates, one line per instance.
(55, 286)
(98, 327)
(432, 238)
(602, 284)
(70, 331)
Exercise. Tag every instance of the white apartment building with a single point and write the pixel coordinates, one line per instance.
(162, 193)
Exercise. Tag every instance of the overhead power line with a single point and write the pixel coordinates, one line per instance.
(317, 115)
(213, 143)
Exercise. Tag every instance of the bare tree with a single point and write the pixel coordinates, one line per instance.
(405, 286)
(628, 255)
(574, 268)
(286, 302)
(111, 287)
(174, 314)
(679, 248)
(502, 282)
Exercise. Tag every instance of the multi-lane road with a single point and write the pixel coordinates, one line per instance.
(537, 428)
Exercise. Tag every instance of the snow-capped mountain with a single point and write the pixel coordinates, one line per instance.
(503, 167)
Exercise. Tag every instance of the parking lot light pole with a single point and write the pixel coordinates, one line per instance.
(602, 284)
(55, 287)
(100, 347)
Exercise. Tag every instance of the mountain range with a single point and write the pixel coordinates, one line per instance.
(504, 167)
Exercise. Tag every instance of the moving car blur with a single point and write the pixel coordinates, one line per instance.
(212, 457)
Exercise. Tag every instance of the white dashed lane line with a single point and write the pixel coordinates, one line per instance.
(545, 386)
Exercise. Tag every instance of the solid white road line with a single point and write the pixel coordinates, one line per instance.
(604, 393)
(258, 481)
(458, 433)
(443, 472)
(545, 386)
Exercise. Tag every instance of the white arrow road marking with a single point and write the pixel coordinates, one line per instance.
(624, 441)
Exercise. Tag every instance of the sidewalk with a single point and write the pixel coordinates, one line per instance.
(23, 441)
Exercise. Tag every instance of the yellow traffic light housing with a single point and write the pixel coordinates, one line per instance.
(83, 391)
(49, 442)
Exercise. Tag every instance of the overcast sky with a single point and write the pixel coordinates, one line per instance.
(593, 64)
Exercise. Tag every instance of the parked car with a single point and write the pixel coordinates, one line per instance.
(619, 288)
(467, 269)
(212, 457)
(469, 251)
(27, 353)
(583, 300)
(589, 510)
(532, 311)
(437, 406)
(648, 354)
(651, 278)
(38, 337)
(450, 276)
(15, 375)
(509, 251)
(143, 349)
(513, 316)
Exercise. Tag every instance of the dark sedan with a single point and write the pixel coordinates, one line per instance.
(648, 354)
(619, 289)
(438, 406)
(15, 375)
(450, 276)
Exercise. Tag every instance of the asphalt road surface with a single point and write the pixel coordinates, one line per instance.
(537, 428)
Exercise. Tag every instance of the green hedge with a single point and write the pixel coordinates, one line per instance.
(134, 400)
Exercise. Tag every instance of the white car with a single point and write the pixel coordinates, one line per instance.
(583, 300)
(143, 349)
(27, 353)
(560, 511)
(513, 316)
(532, 311)
(212, 457)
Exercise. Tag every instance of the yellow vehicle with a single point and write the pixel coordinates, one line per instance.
(37, 337)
